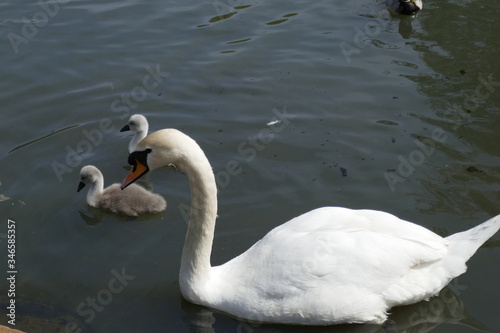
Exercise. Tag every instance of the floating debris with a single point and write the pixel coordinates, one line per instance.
(4, 197)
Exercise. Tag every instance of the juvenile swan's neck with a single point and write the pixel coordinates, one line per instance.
(95, 191)
(195, 262)
(139, 135)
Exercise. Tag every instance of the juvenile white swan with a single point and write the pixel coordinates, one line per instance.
(133, 201)
(138, 124)
(407, 7)
(328, 266)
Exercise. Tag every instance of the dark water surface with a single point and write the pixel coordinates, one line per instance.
(370, 110)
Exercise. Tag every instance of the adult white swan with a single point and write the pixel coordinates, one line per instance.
(328, 266)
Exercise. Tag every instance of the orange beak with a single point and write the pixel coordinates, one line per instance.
(137, 171)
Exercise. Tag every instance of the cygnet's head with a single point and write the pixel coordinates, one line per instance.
(136, 123)
(89, 175)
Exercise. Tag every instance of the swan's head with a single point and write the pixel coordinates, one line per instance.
(89, 175)
(406, 7)
(136, 123)
(167, 147)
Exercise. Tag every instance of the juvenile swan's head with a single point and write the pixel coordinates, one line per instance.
(89, 175)
(136, 123)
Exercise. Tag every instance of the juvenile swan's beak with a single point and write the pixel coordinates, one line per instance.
(137, 171)
(80, 186)
(125, 128)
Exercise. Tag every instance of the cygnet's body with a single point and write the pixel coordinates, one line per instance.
(138, 124)
(406, 7)
(132, 201)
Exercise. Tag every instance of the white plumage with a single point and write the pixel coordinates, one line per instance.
(328, 266)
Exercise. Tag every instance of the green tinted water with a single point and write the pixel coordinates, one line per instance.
(324, 103)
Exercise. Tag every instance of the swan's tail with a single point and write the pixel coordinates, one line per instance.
(465, 244)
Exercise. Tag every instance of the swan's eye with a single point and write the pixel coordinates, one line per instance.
(131, 123)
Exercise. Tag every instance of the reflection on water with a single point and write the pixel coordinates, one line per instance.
(36, 317)
(425, 316)
(460, 176)
(445, 308)
(95, 216)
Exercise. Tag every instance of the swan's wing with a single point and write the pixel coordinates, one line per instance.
(333, 256)
(342, 243)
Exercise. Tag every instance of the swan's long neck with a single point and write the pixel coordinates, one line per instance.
(195, 262)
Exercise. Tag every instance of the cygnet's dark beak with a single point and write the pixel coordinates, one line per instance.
(80, 186)
(408, 7)
(125, 128)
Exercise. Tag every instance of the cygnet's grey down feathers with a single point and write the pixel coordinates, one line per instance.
(132, 201)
